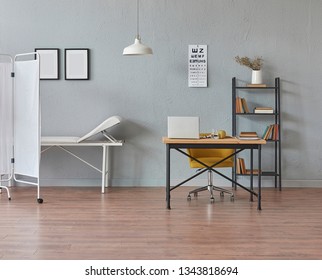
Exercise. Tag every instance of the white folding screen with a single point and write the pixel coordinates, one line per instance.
(20, 119)
(26, 118)
(6, 117)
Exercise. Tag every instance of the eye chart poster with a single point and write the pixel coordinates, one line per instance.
(197, 66)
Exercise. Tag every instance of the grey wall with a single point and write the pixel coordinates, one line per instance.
(145, 90)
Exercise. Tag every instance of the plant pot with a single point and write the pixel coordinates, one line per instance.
(257, 77)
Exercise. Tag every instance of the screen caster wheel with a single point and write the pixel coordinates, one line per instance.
(40, 200)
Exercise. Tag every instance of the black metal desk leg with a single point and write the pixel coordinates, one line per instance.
(168, 176)
(234, 175)
(251, 173)
(259, 207)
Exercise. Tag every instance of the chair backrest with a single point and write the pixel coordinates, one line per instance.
(210, 157)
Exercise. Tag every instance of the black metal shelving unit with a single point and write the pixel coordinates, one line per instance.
(277, 172)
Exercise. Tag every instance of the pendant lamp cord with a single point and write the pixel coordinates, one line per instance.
(137, 19)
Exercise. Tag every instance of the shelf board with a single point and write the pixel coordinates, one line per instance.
(257, 114)
(272, 141)
(252, 88)
(264, 173)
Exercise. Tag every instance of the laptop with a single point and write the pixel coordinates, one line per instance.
(183, 127)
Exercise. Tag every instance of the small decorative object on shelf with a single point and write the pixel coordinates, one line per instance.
(257, 78)
(256, 66)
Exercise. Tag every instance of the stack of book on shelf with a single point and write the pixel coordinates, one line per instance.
(263, 110)
(271, 132)
(248, 135)
(241, 105)
(241, 167)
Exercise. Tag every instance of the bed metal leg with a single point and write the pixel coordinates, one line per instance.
(105, 168)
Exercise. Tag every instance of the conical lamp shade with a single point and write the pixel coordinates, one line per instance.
(137, 48)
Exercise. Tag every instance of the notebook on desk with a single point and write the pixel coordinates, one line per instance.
(183, 127)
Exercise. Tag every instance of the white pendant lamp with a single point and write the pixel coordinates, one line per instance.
(137, 48)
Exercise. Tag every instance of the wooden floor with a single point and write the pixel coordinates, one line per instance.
(133, 223)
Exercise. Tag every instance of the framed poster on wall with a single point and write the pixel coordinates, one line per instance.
(76, 64)
(49, 63)
(198, 66)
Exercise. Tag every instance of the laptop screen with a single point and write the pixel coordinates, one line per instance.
(183, 127)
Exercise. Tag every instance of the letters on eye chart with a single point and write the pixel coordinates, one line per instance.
(197, 66)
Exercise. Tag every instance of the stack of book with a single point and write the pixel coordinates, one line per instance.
(241, 105)
(263, 110)
(241, 167)
(271, 132)
(248, 135)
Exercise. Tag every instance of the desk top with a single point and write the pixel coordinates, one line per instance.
(228, 140)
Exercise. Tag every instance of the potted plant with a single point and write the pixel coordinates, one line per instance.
(254, 64)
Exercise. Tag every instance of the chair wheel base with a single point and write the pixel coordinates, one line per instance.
(212, 198)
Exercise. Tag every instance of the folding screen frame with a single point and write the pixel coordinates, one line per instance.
(6, 148)
(26, 120)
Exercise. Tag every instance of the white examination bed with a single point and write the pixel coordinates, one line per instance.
(65, 141)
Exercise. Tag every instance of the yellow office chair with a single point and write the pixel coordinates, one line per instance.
(210, 157)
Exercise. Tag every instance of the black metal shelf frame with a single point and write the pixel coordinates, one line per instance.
(277, 172)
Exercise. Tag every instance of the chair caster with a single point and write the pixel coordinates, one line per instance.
(232, 198)
(195, 194)
(222, 194)
(189, 197)
(40, 200)
(212, 200)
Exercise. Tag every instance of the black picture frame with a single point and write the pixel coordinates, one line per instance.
(76, 64)
(49, 63)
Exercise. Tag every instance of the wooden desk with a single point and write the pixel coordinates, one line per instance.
(209, 143)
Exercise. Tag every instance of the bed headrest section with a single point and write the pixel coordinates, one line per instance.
(105, 125)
